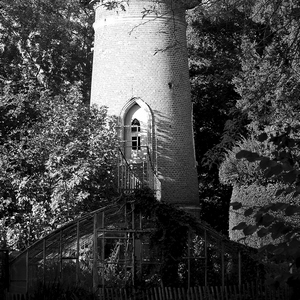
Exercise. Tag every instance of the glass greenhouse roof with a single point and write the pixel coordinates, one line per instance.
(111, 247)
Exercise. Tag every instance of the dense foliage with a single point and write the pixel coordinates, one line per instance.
(213, 44)
(57, 156)
(57, 161)
(268, 86)
(46, 43)
(176, 236)
(278, 219)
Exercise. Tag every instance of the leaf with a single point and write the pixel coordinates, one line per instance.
(279, 192)
(236, 205)
(250, 156)
(250, 229)
(240, 226)
(277, 169)
(287, 166)
(291, 210)
(258, 218)
(267, 220)
(264, 163)
(277, 140)
(248, 212)
(278, 229)
(262, 232)
(293, 248)
(289, 177)
(273, 169)
(242, 154)
(253, 157)
(262, 137)
(278, 206)
(268, 248)
(279, 250)
(272, 163)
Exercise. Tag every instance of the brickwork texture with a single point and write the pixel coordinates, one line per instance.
(141, 53)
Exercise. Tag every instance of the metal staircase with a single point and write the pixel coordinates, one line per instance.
(137, 172)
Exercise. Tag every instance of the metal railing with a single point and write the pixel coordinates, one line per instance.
(137, 171)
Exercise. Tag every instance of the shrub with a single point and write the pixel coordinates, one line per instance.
(235, 171)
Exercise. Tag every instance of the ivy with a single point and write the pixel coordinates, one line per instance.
(278, 219)
(170, 233)
(172, 228)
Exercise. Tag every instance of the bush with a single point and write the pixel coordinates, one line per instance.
(235, 171)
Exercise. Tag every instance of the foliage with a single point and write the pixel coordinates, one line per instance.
(278, 219)
(268, 82)
(124, 257)
(46, 43)
(213, 58)
(171, 231)
(213, 45)
(269, 90)
(268, 86)
(253, 197)
(244, 73)
(237, 172)
(57, 160)
(174, 231)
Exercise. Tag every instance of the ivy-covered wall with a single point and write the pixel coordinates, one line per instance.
(255, 195)
(253, 190)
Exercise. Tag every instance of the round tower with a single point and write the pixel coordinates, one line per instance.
(140, 72)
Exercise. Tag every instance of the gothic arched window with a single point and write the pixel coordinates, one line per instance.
(136, 118)
(135, 125)
(135, 136)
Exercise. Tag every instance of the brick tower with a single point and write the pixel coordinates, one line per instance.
(140, 72)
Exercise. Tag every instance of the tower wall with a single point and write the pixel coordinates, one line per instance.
(141, 52)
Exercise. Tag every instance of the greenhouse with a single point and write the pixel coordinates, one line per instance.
(115, 247)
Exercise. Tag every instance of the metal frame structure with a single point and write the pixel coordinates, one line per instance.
(110, 248)
(85, 251)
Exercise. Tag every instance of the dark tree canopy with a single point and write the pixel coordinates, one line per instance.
(268, 88)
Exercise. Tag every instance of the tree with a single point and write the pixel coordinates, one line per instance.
(46, 43)
(214, 38)
(58, 160)
(269, 89)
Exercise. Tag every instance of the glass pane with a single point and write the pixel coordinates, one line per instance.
(134, 143)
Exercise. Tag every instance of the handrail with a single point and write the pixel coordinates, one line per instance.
(131, 175)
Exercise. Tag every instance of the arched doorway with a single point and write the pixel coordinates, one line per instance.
(136, 133)
(137, 161)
